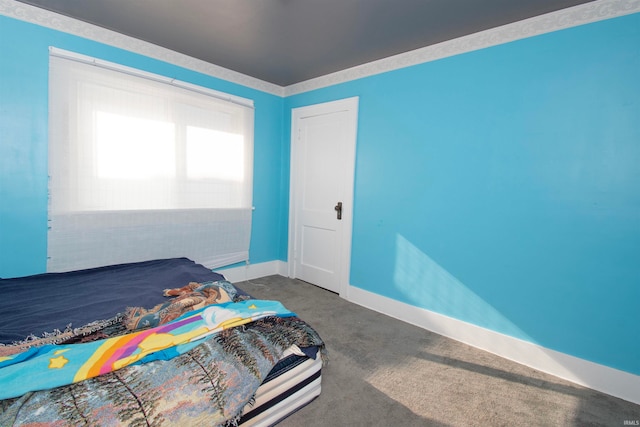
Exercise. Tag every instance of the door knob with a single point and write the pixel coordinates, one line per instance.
(338, 209)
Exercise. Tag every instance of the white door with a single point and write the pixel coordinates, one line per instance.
(323, 140)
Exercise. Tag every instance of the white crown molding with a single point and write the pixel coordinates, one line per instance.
(571, 17)
(55, 21)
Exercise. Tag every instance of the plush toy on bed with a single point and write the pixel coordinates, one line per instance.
(190, 297)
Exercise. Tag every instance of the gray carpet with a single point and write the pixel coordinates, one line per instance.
(384, 372)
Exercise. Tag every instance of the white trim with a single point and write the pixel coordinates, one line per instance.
(254, 271)
(566, 18)
(350, 105)
(595, 376)
(85, 59)
(55, 21)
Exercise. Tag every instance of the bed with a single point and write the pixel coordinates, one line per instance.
(155, 343)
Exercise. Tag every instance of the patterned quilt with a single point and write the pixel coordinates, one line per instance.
(208, 383)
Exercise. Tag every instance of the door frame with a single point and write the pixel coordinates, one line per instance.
(351, 106)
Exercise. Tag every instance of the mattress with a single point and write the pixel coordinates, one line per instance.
(293, 383)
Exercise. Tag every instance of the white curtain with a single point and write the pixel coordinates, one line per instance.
(144, 167)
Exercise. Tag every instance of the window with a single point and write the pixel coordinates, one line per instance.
(144, 167)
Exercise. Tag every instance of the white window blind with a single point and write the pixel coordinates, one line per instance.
(144, 167)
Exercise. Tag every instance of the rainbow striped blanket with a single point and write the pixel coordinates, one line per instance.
(52, 366)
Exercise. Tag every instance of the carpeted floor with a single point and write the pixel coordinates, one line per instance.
(384, 372)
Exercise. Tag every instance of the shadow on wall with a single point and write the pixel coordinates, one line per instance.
(431, 288)
(426, 284)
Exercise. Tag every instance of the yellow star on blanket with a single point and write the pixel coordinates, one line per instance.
(57, 362)
(253, 307)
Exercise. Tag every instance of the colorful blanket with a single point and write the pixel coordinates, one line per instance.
(190, 297)
(57, 365)
(203, 380)
(208, 385)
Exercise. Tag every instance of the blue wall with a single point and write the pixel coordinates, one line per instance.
(502, 187)
(24, 68)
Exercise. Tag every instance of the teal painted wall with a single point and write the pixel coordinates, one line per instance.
(24, 60)
(502, 187)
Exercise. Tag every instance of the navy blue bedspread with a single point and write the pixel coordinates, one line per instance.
(46, 302)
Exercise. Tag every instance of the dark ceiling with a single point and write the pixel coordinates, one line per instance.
(289, 41)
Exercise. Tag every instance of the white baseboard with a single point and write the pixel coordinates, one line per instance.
(254, 271)
(592, 375)
(579, 371)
